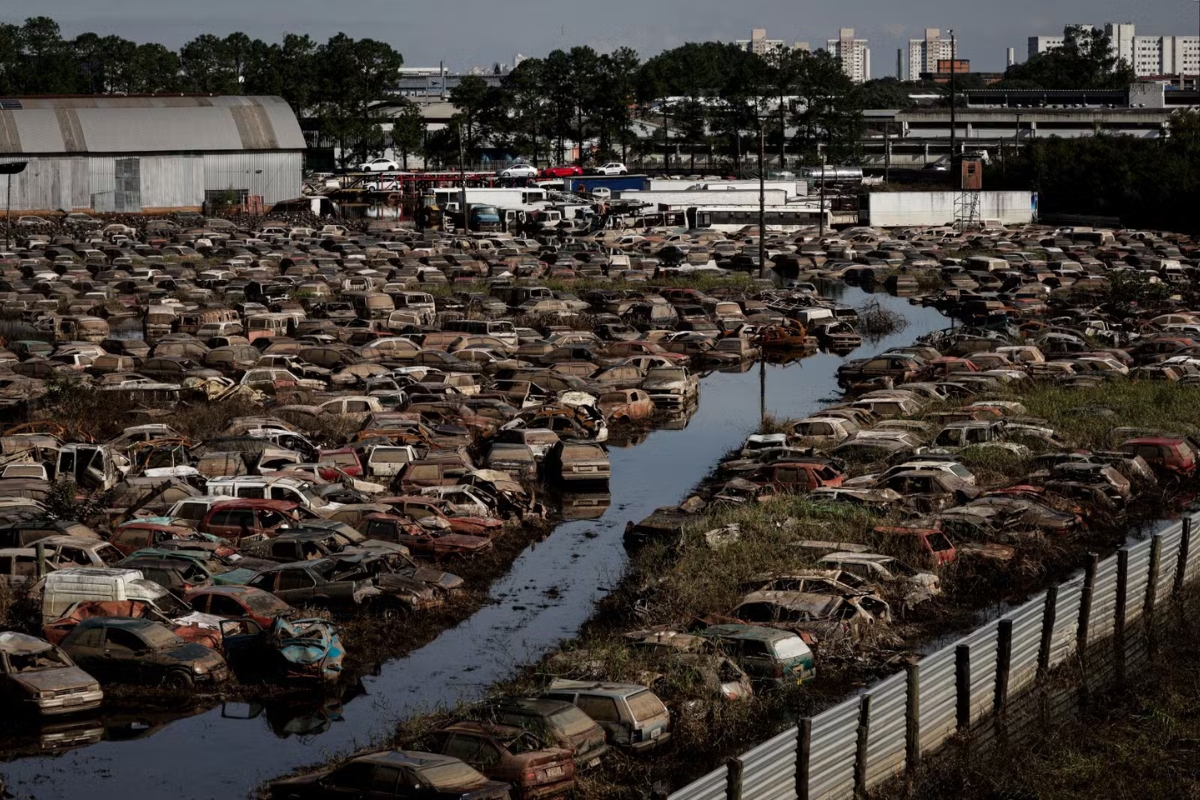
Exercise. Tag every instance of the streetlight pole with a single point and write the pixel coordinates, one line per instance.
(824, 180)
(10, 169)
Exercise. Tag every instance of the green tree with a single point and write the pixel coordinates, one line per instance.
(1084, 61)
(527, 120)
(828, 115)
(207, 66)
(887, 93)
(472, 99)
(154, 69)
(408, 130)
(351, 75)
(47, 63)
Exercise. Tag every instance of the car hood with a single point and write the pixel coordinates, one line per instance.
(55, 679)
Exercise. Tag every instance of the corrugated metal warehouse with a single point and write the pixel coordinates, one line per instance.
(135, 154)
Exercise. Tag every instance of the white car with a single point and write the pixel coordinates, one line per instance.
(379, 165)
(520, 171)
(612, 168)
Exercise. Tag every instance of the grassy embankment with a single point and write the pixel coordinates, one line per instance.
(671, 587)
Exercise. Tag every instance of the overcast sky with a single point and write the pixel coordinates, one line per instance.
(479, 32)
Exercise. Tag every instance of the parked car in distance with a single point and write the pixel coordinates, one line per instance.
(520, 171)
(120, 650)
(401, 774)
(38, 678)
(379, 165)
(562, 171)
(612, 168)
(632, 716)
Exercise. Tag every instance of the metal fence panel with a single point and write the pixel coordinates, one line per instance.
(939, 699)
(1026, 643)
(1168, 562)
(1066, 621)
(769, 770)
(1193, 562)
(832, 752)
(1104, 602)
(1136, 580)
(712, 786)
(983, 670)
(887, 737)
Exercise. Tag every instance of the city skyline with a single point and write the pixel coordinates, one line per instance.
(466, 33)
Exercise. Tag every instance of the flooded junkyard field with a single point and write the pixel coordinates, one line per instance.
(264, 505)
(550, 591)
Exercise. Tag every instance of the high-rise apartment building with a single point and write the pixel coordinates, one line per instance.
(854, 54)
(923, 54)
(760, 45)
(1148, 55)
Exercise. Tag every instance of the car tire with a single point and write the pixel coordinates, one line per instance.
(179, 680)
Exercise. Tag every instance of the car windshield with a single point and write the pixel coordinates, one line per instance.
(50, 658)
(791, 647)
(453, 777)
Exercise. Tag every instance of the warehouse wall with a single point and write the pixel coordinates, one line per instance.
(133, 183)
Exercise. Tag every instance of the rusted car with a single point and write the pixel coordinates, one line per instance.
(577, 463)
(39, 679)
(554, 721)
(511, 755)
(629, 404)
(121, 650)
(798, 476)
(406, 774)
(423, 539)
(1166, 455)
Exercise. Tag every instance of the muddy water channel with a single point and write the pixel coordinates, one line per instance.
(549, 592)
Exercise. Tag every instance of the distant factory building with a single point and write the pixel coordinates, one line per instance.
(150, 154)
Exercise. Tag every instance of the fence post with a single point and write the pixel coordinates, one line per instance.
(962, 684)
(1085, 603)
(1003, 665)
(733, 778)
(913, 717)
(1151, 590)
(860, 753)
(1185, 545)
(1049, 617)
(804, 755)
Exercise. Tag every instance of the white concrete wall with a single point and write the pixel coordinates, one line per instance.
(904, 209)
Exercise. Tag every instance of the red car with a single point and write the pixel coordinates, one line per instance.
(344, 458)
(236, 602)
(564, 171)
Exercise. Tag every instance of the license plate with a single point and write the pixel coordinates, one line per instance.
(554, 772)
(657, 732)
(72, 701)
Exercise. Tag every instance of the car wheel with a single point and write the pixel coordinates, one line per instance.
(179, 680)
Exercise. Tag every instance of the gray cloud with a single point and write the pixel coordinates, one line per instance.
(470, 32)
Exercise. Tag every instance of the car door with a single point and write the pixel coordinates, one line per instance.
(296, 586)
(351, 782)
(123, 656)
(86, 648)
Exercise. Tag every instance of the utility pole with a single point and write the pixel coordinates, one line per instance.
(824, 180)
(887, 152)
(462, 179)
(10, 169)
(956, 182)
(762, 201)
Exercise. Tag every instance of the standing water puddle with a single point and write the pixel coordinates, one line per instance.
(549, 593)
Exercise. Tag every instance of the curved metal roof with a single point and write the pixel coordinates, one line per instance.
(153, 124)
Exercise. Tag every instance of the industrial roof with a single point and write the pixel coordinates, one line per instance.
(150, 124)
